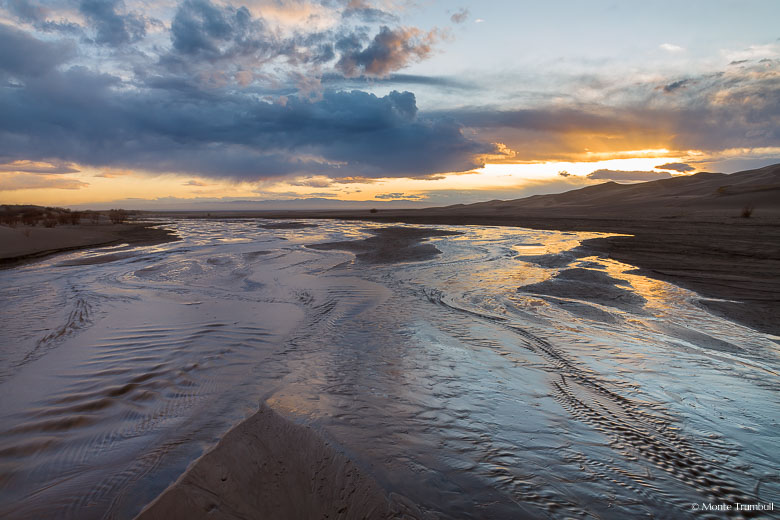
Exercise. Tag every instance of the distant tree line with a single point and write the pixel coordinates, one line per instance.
(27, 215)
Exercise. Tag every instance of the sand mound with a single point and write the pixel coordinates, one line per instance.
(391, 245)
(591, 286)
(270, 467)
(287, 225)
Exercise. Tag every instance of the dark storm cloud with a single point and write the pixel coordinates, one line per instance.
(24, 56)
(200, 26)
(678, 167)
(622, 175)
(112, 27)
(390, 50)
(93, 119)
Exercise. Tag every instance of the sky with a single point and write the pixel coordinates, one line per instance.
(305, 103)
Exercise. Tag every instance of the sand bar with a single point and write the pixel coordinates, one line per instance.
(271, 467)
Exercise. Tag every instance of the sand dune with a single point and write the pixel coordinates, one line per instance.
(702, 194)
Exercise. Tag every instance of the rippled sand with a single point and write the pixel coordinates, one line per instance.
(509, 375)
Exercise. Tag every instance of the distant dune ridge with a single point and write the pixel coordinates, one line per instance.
(714, 194)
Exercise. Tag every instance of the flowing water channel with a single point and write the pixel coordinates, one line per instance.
(516, 375)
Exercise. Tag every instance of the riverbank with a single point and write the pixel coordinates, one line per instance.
(23, 244)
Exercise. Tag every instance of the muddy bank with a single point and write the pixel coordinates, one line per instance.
(736, 267)
(390, 245)
(271, 467)
(23, 244)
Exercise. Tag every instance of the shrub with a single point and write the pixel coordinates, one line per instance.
(50, 222)
(10, 219)
(117, 216)
(747, 211)
(373, 210)
(31, 218)
(75, 218)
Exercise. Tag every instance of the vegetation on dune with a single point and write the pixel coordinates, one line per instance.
(13, 215)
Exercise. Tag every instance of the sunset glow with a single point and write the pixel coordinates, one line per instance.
(140, 105)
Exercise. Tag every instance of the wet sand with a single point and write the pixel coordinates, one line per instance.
(19, 245)
(391, 245)
(271, 467)
(734, 263)
(382, 406)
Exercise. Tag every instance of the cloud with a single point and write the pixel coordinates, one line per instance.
(167, 128)
(397, 196)
(312, 182)
(754, 52)
(25, 56)
(201, 27)
(353, 180)
(460, 16)
(111, 26)
(621, 175)
(736, 108)
(670, 47)
(403, 79)
(367, 14)
(676, 85)
(30, 181)
(564, 173)
(24, 166)
(37, 15)
(678, 167)
(390, 50)
(113, 173)
(193, 182)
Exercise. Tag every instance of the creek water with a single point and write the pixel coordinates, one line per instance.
(515, 375)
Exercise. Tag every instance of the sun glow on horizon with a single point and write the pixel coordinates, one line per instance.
(493, 180)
